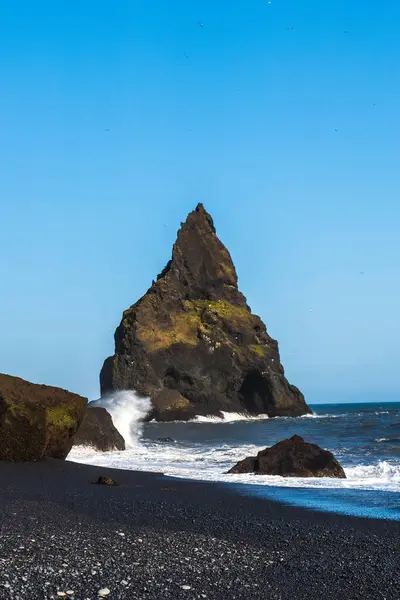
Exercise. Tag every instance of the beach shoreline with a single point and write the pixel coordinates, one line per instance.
(161, 537)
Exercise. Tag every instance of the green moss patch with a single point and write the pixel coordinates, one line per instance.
(183, 327)
(258, 349)
(221, 307)
(60, 417)
(179, 404)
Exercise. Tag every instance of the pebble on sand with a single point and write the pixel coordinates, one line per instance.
(104, 592)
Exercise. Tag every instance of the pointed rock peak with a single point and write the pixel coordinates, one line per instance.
(200, 216)
(297, 438)
(201, 264)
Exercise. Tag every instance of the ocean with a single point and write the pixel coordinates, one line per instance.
(365, 438)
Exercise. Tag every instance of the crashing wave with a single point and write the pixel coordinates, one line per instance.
(128, 411)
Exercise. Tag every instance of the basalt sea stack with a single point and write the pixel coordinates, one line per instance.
(191, 342)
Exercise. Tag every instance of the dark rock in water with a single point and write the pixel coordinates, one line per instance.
(106, 481)
(247, 465)
(292, 458)
(191, 342)
(165, 439)
(37, 421)
(98, 430)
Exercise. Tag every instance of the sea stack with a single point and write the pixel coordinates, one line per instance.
(191, 342)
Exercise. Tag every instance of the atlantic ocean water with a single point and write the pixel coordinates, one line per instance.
(365, 438)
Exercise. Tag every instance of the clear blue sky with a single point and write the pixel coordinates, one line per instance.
(239, 114)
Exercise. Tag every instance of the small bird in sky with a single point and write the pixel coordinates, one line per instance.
(201, 25)
(336, 129)
(345, 32)
(290, 28)
(108, 130)
(361, 272)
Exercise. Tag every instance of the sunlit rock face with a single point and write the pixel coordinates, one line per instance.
(191, 342)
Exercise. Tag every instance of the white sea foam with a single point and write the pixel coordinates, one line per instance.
(232, 417)
(128, 410)
(339, 415)
(210, 462)
(195, 461)
(228, 417)
(384, 475)
(316, 416)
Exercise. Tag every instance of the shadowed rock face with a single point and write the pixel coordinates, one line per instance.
(98, 431)
(37, 421)
(191, 342)
(292, 458)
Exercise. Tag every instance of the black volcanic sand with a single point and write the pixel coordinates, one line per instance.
(153, 535)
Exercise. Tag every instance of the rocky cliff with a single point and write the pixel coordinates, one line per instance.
(37, 421)
(191, 342)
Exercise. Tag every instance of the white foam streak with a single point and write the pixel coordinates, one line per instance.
(228, 417)
(317, 416)
(128, 410)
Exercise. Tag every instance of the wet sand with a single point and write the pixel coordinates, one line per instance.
(160, 538)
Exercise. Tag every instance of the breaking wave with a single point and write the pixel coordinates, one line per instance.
(128, 411)
(194, 461)
(365, 439)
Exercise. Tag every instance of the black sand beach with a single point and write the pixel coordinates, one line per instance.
(158, 538)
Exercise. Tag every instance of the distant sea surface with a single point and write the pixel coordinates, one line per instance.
(365, 438)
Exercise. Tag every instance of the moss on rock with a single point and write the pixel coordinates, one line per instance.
(37, 421)
(60, 417)
(179, 404)
(181, 329)
(258, 349)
